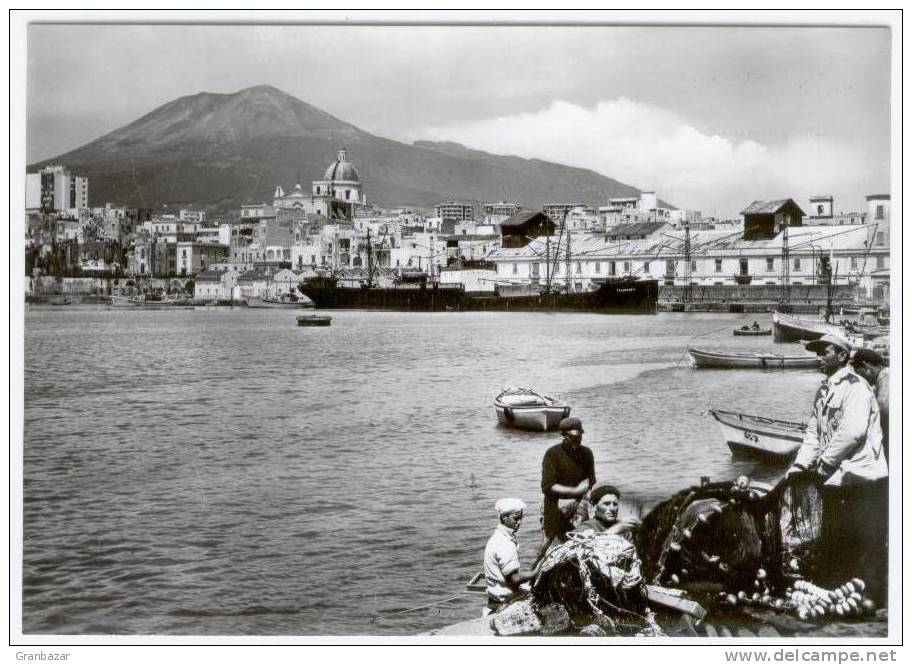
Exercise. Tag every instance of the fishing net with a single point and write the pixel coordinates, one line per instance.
(719, 535)
(597, 579)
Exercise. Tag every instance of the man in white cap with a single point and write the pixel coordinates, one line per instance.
(501, 556)
(843, 440)
(844, 446)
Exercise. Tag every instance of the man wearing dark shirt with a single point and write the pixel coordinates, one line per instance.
(568, 471)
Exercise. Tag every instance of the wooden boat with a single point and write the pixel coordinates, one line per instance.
(59, 300)
(755, 360)
(314, 320)
(776, 440)
(524, 408)
(792, 329)
(752, 332)
(279, 301)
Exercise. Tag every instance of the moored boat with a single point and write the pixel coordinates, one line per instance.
(793, 329)
(776, 440)
(279, 301)
(755, 360)
(524, 408)
(305, 320)
(752, 332)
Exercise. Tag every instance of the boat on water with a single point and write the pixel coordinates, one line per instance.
(757, 436)
(305, 320)
(525, 408)
(745, 331)
(279, 301)
(754, 360)
(788, 328)
(59, 300)
(144, 301)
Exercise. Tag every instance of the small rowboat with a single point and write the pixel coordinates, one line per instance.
(756, 360)
(792, 329)
(752, 332)
(524, 408)
(776, 440)
(314, 320)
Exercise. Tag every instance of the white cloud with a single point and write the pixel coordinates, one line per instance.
(657, 149)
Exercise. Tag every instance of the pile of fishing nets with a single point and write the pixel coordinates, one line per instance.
(592, 584)
(749, 545)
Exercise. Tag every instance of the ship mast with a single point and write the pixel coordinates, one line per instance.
(687, 264)
(370, 263)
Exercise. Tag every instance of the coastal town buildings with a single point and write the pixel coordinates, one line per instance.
(330, 229)
(850, 255)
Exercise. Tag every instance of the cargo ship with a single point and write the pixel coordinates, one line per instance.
(327, 293)
(614, 296)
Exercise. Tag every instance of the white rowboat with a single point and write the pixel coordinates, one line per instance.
(524, 408)
(777, 440)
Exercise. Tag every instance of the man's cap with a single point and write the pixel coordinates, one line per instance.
(869, 356)
(568, 424)
(818, 346)
(504, 506)
(600, 489)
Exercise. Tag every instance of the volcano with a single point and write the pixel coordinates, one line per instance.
(220, 151)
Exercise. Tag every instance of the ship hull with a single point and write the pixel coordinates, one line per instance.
(428, 299)
(616, 297)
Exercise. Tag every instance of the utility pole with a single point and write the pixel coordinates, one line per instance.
(785, 261)
(548, 264)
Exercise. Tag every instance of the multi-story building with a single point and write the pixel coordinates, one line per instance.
(190, 215)
(194, 256)
(556, 211)
(55, 189)
(152, 257)
(495, 213)
(461, 211)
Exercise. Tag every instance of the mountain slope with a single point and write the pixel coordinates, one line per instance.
(224, 150)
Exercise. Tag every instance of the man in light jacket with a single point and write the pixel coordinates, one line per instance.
(843, 445)
(843, 441)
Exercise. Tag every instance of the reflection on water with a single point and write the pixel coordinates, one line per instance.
(223, 471)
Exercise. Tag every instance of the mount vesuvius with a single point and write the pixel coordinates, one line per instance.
(225, 150)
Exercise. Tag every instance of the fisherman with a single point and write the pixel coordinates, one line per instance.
(843, 440)
(869, 364)
(756, 326)
(605, 500)
(844, 446)
(568, 471)
(501, 557)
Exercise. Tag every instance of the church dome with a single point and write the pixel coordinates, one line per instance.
(341, 169)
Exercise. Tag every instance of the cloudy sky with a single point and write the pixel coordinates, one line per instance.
(709, 117)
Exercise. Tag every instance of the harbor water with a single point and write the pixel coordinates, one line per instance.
(223, 471)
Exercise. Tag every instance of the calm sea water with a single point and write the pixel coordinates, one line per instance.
(221, 471)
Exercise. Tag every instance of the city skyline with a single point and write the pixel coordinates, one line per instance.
(709, 117)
